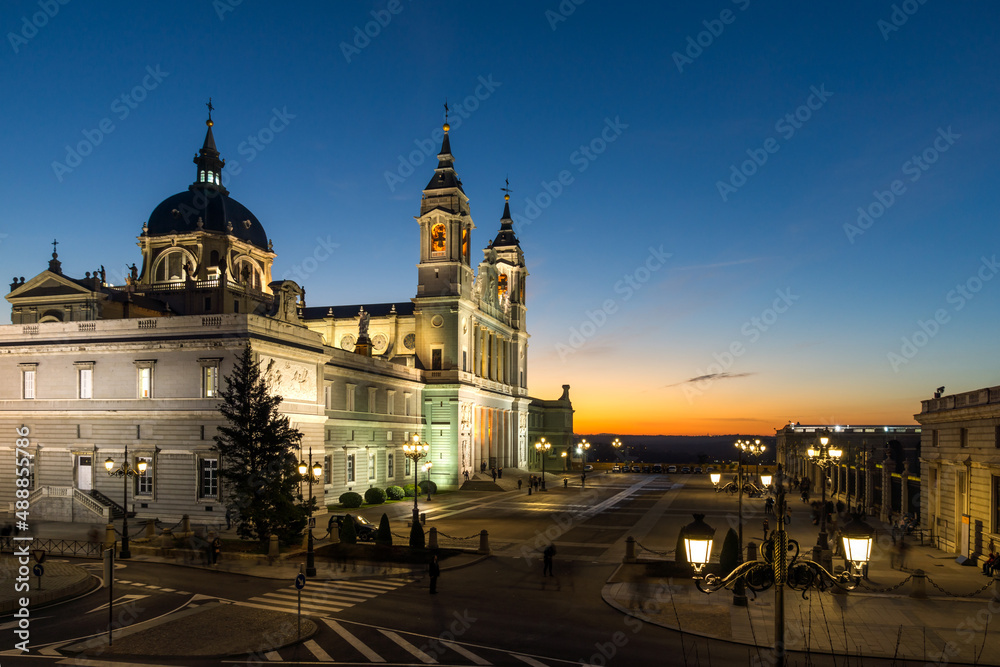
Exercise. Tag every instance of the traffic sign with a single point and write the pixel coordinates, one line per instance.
(38, 570)
(39, 555)
(300, 581)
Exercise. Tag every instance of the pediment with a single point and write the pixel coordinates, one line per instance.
(49, 284)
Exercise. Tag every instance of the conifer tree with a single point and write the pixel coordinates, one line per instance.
(258, 460)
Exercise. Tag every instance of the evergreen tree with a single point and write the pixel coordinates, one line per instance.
(384, 535)
(730, 554)
(416, 536)
(348, 531)
(258, 462)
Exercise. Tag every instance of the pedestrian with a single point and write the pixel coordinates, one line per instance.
(434, 571)
(494, 471)
(769, 507)
(903, 549)
(466, 474)
(766, 526)
(518, 484)
(229, 518)
(547, 556)
(500, 473)
(216, 549)
(482, 466)
(565, 482)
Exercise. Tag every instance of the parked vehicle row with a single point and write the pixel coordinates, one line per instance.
(657, 468)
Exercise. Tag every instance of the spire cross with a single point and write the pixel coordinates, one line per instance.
(210, 108)
(446, 110)
(506, 188)
(54, 244)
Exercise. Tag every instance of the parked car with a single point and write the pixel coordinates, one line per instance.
(697, 470)
(658, 468)
(616, 468)
(364, 529)
(685, 469)
(647, 468)
(588, 468)
(671, 468)
(636, 468)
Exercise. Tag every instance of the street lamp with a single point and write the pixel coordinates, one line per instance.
(316, 471)
(543, 450)
(756, 449)
(716, 477)
(581, 448)
(774, 568)
(124, 471)
(697, 537)
(415, 452)
(823, 457)
(765, 480)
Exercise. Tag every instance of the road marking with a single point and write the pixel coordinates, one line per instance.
(315, 649)
(315, 597)
(273, 656)
(530, 661)
(53, 649)
(458, 648)
(353, 641)
(122, 599)
(293, 604)
(426, 659)
(14, 624)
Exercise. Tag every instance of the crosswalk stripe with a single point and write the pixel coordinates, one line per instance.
(312, 597)
(458, 648)
(530, 661)
(353, 641)
(381, 588)
(426, 659)
(294, 604)
(273, 656)
(52, 650)
(315, 649)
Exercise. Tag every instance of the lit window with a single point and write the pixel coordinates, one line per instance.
(406, 470)
(145, 377)
(201, 176)
(86, 383)
(371, 466)
(170, 267)
(327, 469)
(437, 239)
(390, 469)
(350, 468)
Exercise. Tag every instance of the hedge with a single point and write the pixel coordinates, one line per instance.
(424, 484)
(351, 499)
(375, 496)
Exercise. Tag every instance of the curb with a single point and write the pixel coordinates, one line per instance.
(87, 584)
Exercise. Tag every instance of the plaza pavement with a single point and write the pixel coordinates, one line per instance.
(879, 619)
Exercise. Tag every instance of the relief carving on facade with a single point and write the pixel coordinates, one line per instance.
(290, 379)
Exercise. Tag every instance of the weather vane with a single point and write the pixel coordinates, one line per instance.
(446, 110)
(506, 188)
(210, 108)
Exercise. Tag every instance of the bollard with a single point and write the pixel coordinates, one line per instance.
(166, 542)
(423, 518)
(484, 542)
(432, 539)
(918, 585)
(185, 524)
(272, 549)
(630, 549)
(529, 489)
(109, 536)
(151, 529)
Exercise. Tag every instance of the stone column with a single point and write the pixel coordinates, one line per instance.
(904, 491)
(887, 465)
(869, 481)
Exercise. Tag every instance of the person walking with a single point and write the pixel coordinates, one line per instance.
(494, 471)
(434, 571)
(500, 473)
(518, 484)
(547, 556)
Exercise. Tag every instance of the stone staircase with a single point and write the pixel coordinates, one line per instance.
(483, 481)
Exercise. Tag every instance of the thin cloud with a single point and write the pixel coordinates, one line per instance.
(712, 377)
(718, 265)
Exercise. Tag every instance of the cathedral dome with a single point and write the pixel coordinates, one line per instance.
(206, 209)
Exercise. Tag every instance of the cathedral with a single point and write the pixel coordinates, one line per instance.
(98, 374)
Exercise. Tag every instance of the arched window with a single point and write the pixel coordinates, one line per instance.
(438, 239)
(248, 271)
(172, 266)
(502, 285)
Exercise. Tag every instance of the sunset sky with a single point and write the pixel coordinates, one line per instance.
(734, 213)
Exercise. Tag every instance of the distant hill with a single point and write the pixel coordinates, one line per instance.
(675, 448)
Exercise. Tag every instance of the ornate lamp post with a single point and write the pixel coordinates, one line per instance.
(765, 481)
(543, 448)
(823, 457)
(314, 471)
(415, 452)
(124, 471)
(756, 449)
(774, 568)
(581, 448)
(716, 477)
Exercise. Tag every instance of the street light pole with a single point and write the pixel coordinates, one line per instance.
(543, 449)
(415, 452)
(124, 471)
(739, 591)
(313, 471)
(823, 457)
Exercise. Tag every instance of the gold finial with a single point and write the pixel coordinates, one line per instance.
(210, 108)
(506, 189)
(446, 125)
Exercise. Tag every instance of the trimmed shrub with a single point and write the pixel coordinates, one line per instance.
(409, 490)
(416, 536)
(384, 535)
(348, 531)
(395, 492)
(424, 484)
(680, 553)
(351, 499)
(374, 496)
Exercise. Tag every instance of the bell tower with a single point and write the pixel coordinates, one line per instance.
(445, 230)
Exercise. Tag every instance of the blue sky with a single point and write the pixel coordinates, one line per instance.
(713, 158)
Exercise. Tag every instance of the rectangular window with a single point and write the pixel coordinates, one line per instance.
(349, 398)
(934, 438)
(996, 437)
(84, 379)
(390, 470)
(465, 359)
(210, 381)
(144, 369)
(372, 398)
(144, 482)
(28, 383)
(436, 359)
(350, 468)
(327, 469)
(406, 469)
(328, 396)
(371, 466)
(406, 403)
(208, 478)
(390, 402)
(963, 437)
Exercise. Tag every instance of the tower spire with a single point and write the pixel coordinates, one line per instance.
(506, 237)
(209, 163)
